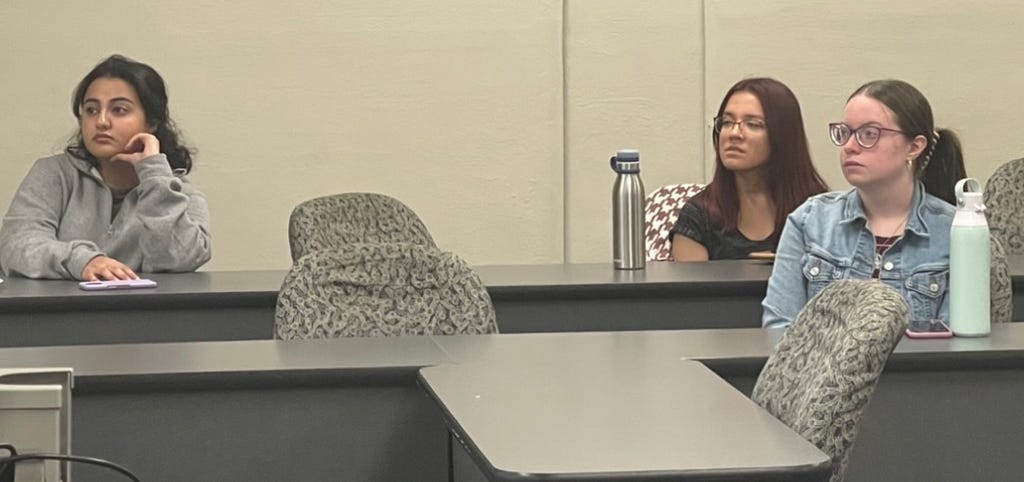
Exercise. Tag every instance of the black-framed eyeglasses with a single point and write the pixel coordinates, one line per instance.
(867, 136)
(751, 126)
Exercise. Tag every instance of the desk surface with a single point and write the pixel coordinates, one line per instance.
(172, 290)
(595, 279)
(596, 419)
(131, 397)
(249, 287)
(543, 280)
(239, 305)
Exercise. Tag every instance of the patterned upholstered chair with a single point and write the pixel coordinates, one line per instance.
(389, 289)
(360, 217)
(1004, 199)
(1001, 284)
(661, 210)
(824, 370)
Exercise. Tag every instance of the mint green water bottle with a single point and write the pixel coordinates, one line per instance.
(969, 300)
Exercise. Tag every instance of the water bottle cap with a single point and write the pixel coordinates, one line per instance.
(972, 201)
(628, 155)
(626, 161)
(967, 185)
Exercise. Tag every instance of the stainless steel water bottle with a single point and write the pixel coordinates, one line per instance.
(627, 211)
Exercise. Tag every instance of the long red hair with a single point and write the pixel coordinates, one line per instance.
(790, 176)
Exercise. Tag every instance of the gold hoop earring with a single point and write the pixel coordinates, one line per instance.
(910, 164)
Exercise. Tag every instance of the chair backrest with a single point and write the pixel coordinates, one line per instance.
(1004, 203)
(824, 370)
(392, 289)
(359, 217)
(661, 210)
(1000, 284)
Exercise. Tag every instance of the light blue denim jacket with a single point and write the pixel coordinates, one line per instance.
(827, 239)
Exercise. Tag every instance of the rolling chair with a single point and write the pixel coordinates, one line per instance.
(1000, 283)
(389, 289)
(336, 220)
(661, 209)
(823, 372)
(1004, 201)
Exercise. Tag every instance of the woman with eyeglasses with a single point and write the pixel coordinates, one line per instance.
(893, 226)
(763, 171)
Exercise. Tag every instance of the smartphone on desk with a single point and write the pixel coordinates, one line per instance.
(117, 284)
(929, 329)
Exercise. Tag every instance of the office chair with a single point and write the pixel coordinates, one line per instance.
(1000, 283)
(339, 219)
(661, 209)
(824, 370)
(1004, 203)
(392, 289)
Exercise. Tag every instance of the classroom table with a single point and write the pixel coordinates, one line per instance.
(351, 409)
(203, 306)
(239, 305)
(577, 418)
(597, 297)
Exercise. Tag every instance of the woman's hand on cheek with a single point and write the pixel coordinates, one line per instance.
(139, 147)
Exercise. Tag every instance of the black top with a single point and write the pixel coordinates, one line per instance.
(695, 223)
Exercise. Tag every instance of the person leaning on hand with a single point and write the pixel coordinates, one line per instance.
(118, 200)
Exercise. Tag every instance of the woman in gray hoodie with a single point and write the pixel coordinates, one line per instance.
(118, 200)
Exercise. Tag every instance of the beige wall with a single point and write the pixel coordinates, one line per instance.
(493, 119)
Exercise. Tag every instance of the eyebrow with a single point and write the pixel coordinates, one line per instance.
(749, 117)
(869, 123)
(115, 99)
(730, 114)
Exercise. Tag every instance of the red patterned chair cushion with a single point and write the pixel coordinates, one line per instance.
(660, 212)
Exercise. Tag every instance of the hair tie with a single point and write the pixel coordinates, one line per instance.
(931, 150)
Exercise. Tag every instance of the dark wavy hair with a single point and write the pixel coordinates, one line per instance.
(941, 164)
(149, 86)
(789, 174)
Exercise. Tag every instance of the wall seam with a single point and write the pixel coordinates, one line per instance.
(565, 135)
(704, 88)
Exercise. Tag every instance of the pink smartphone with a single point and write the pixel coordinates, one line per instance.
(929, 329)
(119, 284)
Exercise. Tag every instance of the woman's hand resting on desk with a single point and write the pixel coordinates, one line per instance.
(104, 268)
(139, 147)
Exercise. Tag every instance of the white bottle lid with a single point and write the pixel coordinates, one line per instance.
(973, 201)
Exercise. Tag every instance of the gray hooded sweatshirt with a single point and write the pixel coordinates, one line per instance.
(60, 219)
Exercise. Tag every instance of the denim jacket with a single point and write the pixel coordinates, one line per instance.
(827, 239)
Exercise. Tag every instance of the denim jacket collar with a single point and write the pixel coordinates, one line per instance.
(854, 210)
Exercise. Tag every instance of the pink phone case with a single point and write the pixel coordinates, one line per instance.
(929, 334)
(121, 284)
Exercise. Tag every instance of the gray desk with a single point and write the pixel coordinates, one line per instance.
(239, 305)
(584, 419)
(351, 409)
(228, 305)
(253, 410)
(944, 409)
(596, 297)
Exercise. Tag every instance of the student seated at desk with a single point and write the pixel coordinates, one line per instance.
(763, 171)
(893, 226)
(118, 199)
